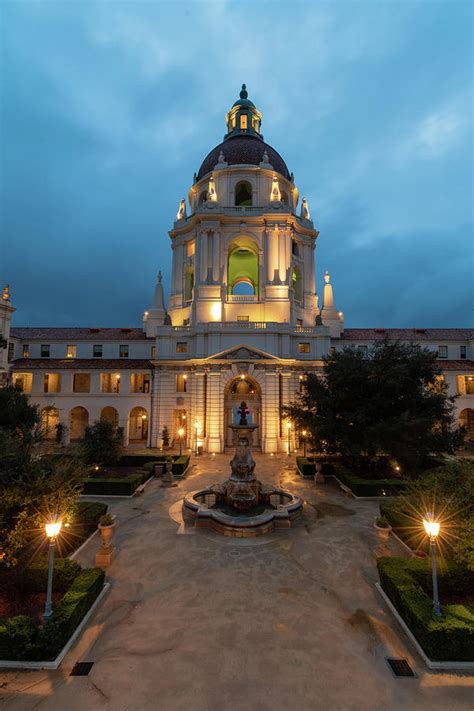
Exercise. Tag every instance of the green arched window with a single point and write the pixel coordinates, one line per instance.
(189, 284)
(297, 284)
(242, 269)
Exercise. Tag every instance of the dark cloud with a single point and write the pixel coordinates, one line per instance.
(109, 108)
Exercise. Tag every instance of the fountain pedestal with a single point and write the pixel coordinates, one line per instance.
(242, 489)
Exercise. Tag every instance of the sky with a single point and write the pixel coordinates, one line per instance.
(109, 107)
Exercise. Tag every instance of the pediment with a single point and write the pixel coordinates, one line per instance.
(244, 353)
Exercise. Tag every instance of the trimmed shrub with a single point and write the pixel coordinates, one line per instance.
(69, 612)
(138, 460)
(369, 487)
(180, 464)
(305, 467)
(35, 576)
(114, 487)
(407, 582)
(18, 638)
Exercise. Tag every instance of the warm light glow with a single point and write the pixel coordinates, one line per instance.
(213, 454)
(271, 454)
(216, 311)
(96, 468)
(288, 425)
(340, 314)
(242, 377)
(304, 433)
(431, 526)
(117, 375)
(181, 432)
(143, 417)
(196, 425)
(211, 191)
(275, 195)
(397, 468)
(185, 377)
(146, 313)
(183, 417)
(53, 528)
(301, 377)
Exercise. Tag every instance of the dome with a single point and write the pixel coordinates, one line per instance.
(242, 149)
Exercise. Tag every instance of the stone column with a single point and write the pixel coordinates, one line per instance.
(286, 398)
(216, 257)
(155, 434)
(203, 255)
(215, 414)
(270, 412)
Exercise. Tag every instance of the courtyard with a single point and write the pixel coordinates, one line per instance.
(286, 621)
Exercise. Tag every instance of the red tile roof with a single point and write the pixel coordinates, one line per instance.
(79, 364)
(80, 334)
(408, 334)
(467, 365)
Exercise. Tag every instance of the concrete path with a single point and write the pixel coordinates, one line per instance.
(197, 621)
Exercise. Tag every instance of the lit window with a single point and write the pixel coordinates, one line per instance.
(190, 248)
(52, 383)
(44, 350)
(243, 122)
(140, 383)
(463, 352)
(23, 381)
(442, 351)
(81, 383)
(243, 319)
(181, 347)
(123, 351)
(153, 351)
(71, 351)
(181, 383)
(26, 351)
(97, 350)
(469, 384)
(110, 382)
(303, 347)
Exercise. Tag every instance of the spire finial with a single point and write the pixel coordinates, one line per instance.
(244, 92)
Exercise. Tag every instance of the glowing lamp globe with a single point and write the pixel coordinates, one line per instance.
(53, 528)
(181, 432)
(431, 526)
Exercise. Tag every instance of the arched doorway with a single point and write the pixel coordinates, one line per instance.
(466, 419)
(138, 425)
(110, 414)
(78, 421)
(242, 388)
(49, 422)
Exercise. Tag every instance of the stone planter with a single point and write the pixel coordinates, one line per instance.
(319, 476)
(383, 532)
(103, 556)
(168, 479)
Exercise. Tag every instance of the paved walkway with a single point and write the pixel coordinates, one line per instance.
(197, 621)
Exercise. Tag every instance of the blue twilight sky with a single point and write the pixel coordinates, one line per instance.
(109, 107)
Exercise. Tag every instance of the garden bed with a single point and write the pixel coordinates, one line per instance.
(22, 638)
(115, 481)
(364, 488)
(407, 584)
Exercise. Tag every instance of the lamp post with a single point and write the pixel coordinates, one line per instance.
(52, 532)
(304, 433)
(432, 529)
(181, 433)
(288, 427)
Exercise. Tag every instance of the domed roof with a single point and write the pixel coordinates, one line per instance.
(242, 149)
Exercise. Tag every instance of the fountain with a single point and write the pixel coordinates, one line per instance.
(242, 506)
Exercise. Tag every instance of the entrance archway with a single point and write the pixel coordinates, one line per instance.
(242, 388)
(110, 414)
(138, 425)
(79, 420)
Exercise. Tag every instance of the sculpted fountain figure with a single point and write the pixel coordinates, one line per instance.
(242, 507)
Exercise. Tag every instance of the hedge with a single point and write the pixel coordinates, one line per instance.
(35, 576)
(21, 639)
(305, 467)
(180, 464)
(369, 487)
(407, 582)
(102, 486)
(138, 460)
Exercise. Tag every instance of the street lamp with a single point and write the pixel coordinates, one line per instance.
(288, 427)
(181, 433)
(303, 434)
(432, 529)
(52, 531)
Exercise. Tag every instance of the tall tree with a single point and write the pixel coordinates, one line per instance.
(391, 400)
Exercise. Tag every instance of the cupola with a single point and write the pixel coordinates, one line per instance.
(243, 119)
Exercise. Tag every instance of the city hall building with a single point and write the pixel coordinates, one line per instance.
(243, 320)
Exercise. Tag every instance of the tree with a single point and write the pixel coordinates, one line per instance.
(32, 487)
(102, 443)
(391, 400)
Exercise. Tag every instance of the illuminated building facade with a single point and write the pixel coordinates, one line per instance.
(243, 320)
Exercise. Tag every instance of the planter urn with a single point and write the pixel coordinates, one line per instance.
(319, 476)
(104, 555)
(383, 532)
(168, 479)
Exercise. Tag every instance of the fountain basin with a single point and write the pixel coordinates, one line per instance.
(203, 509)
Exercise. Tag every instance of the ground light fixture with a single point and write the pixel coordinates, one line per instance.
(181, 433)
(432, 529)
(52, 529)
